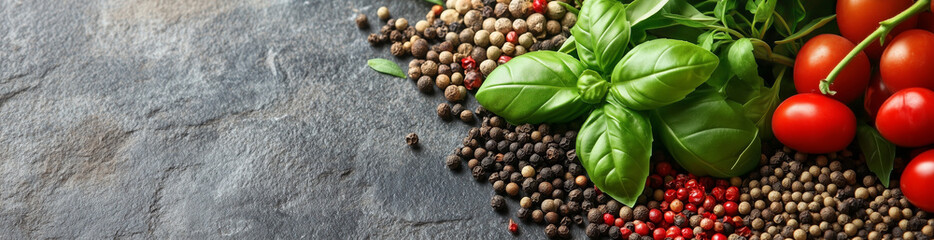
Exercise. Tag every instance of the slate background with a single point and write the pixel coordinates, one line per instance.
(147, 119)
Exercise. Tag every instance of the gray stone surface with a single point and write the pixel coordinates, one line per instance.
(249, 119)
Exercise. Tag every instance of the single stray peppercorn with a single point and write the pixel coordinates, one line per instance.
(411, 139)
(361, 21)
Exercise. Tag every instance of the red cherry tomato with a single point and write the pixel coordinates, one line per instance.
(813, 123)
(926, 21)
(819, 56)
(907, 118)
(859, 18)
(909, 61)
(876, 94)
(918, 174)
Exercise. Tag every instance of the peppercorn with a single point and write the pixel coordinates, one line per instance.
(538, 216)
(425, 85)
(411, 139)
(383, 13)
(569, 20)
(519, 8)
(453, 162)
(453, 94)
(553, 27)
(512, 189)
(482, 38)
(497, 39)
(552, 217)
(640, 213)
(498, 203)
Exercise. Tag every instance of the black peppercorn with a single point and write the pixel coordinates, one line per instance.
(498, 203)
(425, 85)
(593, 231)
(551, 231)
(453, 162)
(640, 213)
(613, 233)
(411, 139)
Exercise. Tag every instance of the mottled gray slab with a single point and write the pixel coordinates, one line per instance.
(251, 119)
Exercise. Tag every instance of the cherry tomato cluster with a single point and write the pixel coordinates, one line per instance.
(686, 194)
(897, 92)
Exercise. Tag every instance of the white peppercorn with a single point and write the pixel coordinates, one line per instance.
(457, 78)
(402, 24)
(526, 40)
(555, 10)
(420, 26)
(383, 13)
(489, 24)
(509, 49)
(497, 39)
(493, 52)
(519, 8)
(536, 23)
(553, 27)
(482, 38)
(520, 50)
(473, 19)
(449, 16)
(442, 81)
(446, 57)
(487, 66)
(569, 20)
(503, 25)
(520, 26)
(452, 38)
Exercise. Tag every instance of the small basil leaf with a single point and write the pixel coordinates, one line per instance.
(571, 9)
(764, 10)
(708, 135)
(880, 153)
(614, 146)
(761, 107)
(660, 72)
(743, 62)
(438, 2)
(592, 87)
(385, 66)
(793, 12)
(569, 46)
(535, 87)
(722, 9)
(807, 29)
(602, 34)
(639, 10)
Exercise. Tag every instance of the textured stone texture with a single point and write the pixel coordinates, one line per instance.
(212, 119)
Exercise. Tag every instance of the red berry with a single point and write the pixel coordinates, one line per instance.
(655, 216)
(437, 9)
(706, 223)
(690, 207)
(676, 205)
(619, 222)
(513, 227)
(718, 193)
(690, 183)
(625, 232)
(655, 181)
(709, 202)
(659, 234)
(670, 195)
(642, 229)
(473, 79)
(468, 63)
(743, 231)
(731, 208)
(723, 183)
(732, 194)
(663, 206)
(597, 190)
(687, 233)
(539, 6)
(673, 231)
(696, 196)
(503, 59)
(737, 221)
(678, 238)
(718, 236)
(683, 194)
(707, 182)
(608, 219)
(512, 37)
(663, 168)
(669, 217)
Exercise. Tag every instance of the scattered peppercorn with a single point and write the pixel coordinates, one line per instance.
(411, 139)
(383, 13)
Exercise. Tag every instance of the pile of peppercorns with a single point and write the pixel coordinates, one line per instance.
(459, 44)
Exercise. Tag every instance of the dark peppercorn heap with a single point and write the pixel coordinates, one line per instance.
(456, 47)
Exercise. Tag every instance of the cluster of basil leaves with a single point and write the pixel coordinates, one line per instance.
(654, 90)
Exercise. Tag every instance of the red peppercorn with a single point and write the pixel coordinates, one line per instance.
(718, 236)
(655, 181)
(539, 6)
(678, 238)
(731, 208)
(473, 80)
(663, 168)
(608, 219)
(659, 234)
(718, 193)
(642, 229)
(707, 182)
(723, 183)
(670, 195)
(437, 9)
(690, 183)
(696, 196)
(744, 231)
(673, 231)
(737, 221)
(625, 232)
(663, 206)
(706, 223)
(468, 63)
(687, 233)
(709, 202)
(669, 217)
(512, 37)
(597, 190)
(732, 194)
(690, 207)
(655, 216)
(503, 59)
(513, 227)
(619, 222)
(676, 205)
(683, 194)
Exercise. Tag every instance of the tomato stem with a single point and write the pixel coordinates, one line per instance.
(884, 28)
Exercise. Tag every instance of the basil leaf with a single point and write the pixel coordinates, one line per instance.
(660, 72)
(639, 10)
(614, 146)
(880, 153)
(535, 87)
(764, 9)
(571, 9)
(793, 12)
(807, 29)
(592, 87)
(569, 46)
(760, 108)
(742, 61)
(602, 34)
(385, 66)
(708, 135)
(722, 9)
(438, 2)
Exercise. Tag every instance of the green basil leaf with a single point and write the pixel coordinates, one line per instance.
(711, 40)
(438, 2)
(722, 9)
(880, 153)
(569, 46)
(793, 12)
(639, 10)
(698, 21)
(660, 72)
(708, 135)
(571, 9)
(592, 87)
(385, 66)
(760, 108)
(764, 10)
(535, 87)
(807, 29)
(614, 146)
(742, 61)
(602, 34)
